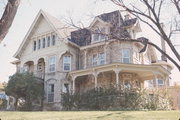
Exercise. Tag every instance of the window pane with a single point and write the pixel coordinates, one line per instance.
(44, 42)
(48, 41)
(126, 60)
(34, 45)
(52, 63)
(95, 57)
(101, 58)
(39, 44)
(67, 62)
(160, 82)
(126, 53)
(53, 39)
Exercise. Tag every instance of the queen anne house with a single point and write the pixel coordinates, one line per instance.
(101, 55)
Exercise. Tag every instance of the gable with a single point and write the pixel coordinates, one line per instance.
(41, 27)
(43, 24)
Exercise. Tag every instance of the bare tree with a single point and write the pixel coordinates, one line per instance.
(152, 10)
(8, 17)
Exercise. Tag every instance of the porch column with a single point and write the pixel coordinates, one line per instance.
(167, 81)
(95, 78)
(117, 71)
(74, 83)
(85, 58)
(156, 80)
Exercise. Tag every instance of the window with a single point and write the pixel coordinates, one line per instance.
(53, 40)
(98, 59)
(95, 60)
(66, 88)
(99, 34)
(34, 46)
(51, 93)
(67, 63)
(52, 64)
(126, 56)
(39, 43)
(48, 41)
(101, 58)
(44, 42)
(160, 82)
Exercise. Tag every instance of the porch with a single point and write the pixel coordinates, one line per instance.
(117, 75)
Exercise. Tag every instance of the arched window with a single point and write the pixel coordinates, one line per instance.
(66, 62)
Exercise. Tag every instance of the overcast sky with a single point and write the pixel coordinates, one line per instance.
(80, 10)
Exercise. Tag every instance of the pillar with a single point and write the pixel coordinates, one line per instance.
(85, 59)
(95, 79)
(117, 71)
(73, 86)
(156, 80)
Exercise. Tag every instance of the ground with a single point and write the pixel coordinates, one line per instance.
(92, 115)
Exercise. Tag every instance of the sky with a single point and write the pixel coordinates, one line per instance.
(79, 10)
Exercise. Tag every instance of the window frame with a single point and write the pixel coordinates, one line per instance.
(98, 59)
(67, 63)
(49, 64)
(50, 91)
(123, 56)
(160, 83)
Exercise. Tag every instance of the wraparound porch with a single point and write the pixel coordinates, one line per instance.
(127, 75)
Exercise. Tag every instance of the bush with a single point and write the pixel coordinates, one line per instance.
(113, 99)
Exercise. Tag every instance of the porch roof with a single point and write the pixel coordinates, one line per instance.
(145, 72)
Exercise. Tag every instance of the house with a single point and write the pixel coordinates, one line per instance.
(101, 55)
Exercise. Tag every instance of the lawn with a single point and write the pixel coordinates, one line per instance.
(92, 115)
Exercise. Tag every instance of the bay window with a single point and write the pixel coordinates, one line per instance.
(67, 63)
(48, 41)
(34, 46)
(44, 42)
(39, 43)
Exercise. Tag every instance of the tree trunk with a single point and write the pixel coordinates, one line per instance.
(8, 17)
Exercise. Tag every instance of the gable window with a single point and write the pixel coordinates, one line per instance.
(34, 46)
(53, 40)
(67, 63)
(52, 64)
(39, 43)
(99, 34)
(126, 56)
(98, 59)
(44, 42)
(48, 41)
(51, 93)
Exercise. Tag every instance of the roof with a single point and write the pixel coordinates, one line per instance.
(130, 22)
(62, 30)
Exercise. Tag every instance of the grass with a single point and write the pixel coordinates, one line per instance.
(92, 115)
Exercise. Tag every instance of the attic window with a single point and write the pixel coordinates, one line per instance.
(39, 43)
(34, 46)
(48, 41)
(53, 40)
(44, 42)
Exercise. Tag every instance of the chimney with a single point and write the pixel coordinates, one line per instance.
(163, 57)
(126, 17)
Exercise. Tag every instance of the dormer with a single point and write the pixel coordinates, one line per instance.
(131, 25)
(99, 30)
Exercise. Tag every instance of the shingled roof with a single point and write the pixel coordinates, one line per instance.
(82, 37)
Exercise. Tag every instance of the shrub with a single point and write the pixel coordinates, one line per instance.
(113, 99)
